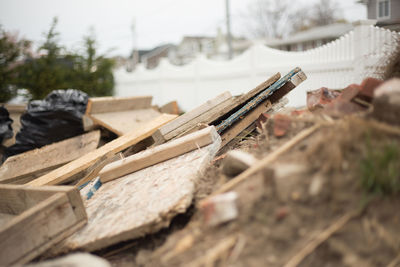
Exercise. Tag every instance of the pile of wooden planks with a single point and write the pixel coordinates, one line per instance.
(126, 193)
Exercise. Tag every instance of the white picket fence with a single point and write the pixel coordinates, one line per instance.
(367, 51)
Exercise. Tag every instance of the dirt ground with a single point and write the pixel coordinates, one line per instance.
(319, 204)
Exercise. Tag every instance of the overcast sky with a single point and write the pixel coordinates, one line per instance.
(157, 21)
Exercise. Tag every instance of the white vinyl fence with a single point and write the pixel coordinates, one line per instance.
(365, 51)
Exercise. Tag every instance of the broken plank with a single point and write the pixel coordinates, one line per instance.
(114, 104)
(22, 168)
(140, 203)
(220, 110)
(240, 125)
(158, 154)
(258, 99)
(63, 173)
(159, 135)
(41, 217)
(122, 122)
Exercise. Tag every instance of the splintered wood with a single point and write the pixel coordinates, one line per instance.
(142, 202)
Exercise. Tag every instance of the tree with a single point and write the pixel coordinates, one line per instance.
(12, 50)
(94, 71)
(278, 18)
(58, 69)
(49, 71)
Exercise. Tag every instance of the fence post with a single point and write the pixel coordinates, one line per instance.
(360, 48)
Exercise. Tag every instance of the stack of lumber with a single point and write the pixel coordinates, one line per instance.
(132, 193)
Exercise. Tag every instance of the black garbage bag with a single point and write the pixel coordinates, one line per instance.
(6, 130)
(55, 118)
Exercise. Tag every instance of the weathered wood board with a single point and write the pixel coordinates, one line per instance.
(243, 122)
(62, 174)
(158, 154)
(22, 168)
(140, 203)
(114, 104)
(34, 219)
(159, 135)
(218, 111)
(122, 122)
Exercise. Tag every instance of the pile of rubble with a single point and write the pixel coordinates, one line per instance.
(246, 180)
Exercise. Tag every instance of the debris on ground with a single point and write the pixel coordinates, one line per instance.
(240, 180)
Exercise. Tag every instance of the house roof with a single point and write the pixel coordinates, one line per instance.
(317, 33)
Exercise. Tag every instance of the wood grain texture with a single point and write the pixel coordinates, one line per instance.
(188, 116)
(114, 104)
(240, 125)
(140, 203)
(123, 122)
(63, 173)
(45, 218)
(221, 127)
(21, 167)
(220, 110)
(158, 154)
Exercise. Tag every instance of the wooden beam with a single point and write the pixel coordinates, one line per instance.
(114, 104)
(23, 167)
(159, 135)
(38, 219)
(240, 125)
(158, 154)
(62, 174)
(243, 122)
(257, 100)
(212, 113)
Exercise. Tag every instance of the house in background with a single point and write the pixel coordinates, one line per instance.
(152, 58)
(385, 12)
(215, 48)
(311, 38)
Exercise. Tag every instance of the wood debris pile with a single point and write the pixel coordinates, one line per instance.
(138, 167)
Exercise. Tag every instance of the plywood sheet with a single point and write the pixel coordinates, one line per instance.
(142, 202)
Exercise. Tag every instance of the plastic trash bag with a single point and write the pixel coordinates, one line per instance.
(6, 130)
(55, 118)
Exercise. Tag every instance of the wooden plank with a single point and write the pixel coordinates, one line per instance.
(243, 123)
(158, 154)
(63, 173)
(140, 203)
(256, 100)
(123, 122)
(189, 116)
(49, 217)
(23, 166)
(114, 104)
(220, 110)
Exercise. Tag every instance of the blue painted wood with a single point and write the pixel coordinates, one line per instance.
(255, 101)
